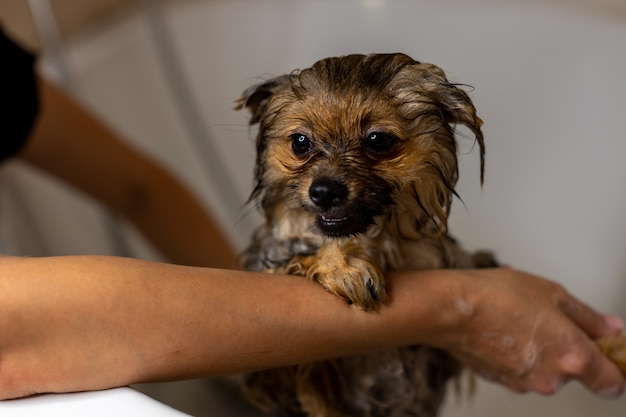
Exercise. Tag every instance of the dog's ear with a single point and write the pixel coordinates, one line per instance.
(455, 104)
(256, 98)
(459, 109)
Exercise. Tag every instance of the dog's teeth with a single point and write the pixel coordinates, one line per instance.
(332, 220)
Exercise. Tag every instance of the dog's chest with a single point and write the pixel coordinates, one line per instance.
(275, 244)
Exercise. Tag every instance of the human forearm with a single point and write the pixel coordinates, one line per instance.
(73, 145)
(77, 323)
(172, 219)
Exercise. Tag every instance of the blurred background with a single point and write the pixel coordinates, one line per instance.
(547, 78)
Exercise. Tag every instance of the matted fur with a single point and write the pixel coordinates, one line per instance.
(374, 135)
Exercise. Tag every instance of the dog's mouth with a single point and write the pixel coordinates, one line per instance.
(340, 212)
(342, 225)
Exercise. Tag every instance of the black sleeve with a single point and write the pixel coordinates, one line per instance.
(19, 97)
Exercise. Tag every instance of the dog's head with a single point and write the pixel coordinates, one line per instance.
(357, 140)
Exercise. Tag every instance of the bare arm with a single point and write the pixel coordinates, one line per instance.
(82, 323)
(71, 144)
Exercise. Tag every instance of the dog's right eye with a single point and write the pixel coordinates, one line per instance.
(300, 144)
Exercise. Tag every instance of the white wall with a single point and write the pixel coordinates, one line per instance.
(549, 84)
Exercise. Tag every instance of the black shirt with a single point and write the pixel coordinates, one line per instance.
(19, 98)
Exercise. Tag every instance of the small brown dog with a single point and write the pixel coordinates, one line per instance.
(356, 168)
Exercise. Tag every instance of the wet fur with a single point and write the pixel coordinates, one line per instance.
(393, 217)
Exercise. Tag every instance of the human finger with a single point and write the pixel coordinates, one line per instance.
(594, 324)
(614, 322)
(594, 370)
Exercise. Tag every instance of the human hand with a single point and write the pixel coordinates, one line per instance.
(530, 334)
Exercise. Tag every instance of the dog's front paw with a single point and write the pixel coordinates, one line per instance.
(354, 279)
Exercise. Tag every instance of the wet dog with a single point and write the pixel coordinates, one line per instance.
(355, 174)
(356, 168)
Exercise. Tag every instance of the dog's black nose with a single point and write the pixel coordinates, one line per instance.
(327, 193)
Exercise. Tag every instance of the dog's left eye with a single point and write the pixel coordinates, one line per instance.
(300, 144)
(380, 142)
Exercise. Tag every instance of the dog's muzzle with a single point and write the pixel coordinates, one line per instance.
(335, 216)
